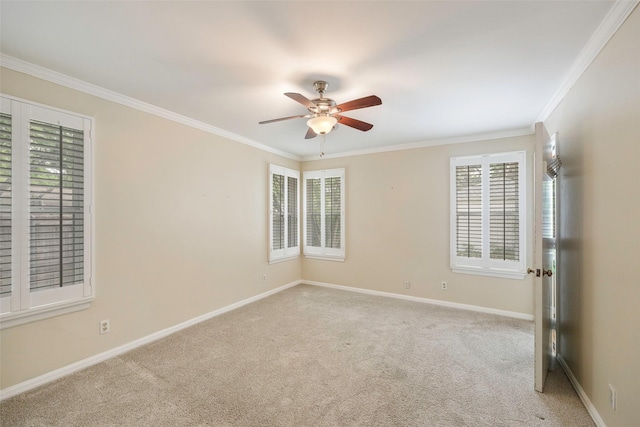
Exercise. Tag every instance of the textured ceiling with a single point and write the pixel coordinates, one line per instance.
(444, 70)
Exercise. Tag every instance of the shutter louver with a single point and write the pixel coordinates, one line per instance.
(56, 171)
(332, 212)
(5, 204)
(314, 212)
(292, 212)
(278, 212)
(504, 221)
(469, 211)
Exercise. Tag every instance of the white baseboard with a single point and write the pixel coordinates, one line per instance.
(583, 396)
(469, 307)
(90, 361)
(93, 360)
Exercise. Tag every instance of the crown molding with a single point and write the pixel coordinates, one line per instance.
(109, 95)
(607, 28)
(429, 143)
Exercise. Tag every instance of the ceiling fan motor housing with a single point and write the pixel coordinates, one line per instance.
(323, 105)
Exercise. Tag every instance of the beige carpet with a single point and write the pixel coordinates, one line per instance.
(313, 356)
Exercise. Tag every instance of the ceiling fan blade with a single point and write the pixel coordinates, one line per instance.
(356, 124)
(367, 101)
(310, 134)
(301, 99)
(283, 118)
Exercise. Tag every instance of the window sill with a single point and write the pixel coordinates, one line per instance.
(283, 259)
(325, 258)
(504, 274)
(10, 320)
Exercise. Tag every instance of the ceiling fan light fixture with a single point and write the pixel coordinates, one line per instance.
(322, 125)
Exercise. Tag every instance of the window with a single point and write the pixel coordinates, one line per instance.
(45, 218)
(324, 214)
(284, 188)
(488, 214)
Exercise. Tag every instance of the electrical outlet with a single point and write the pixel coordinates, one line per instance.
(612, 397)
(406, 284)
(264, 278)
(104, 326)
(444, 286)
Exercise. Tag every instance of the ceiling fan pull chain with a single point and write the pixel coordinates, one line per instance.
(324, 137)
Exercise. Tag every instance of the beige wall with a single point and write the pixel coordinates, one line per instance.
(174, 240)
(599, 143)
(397, 211)
(180, 230)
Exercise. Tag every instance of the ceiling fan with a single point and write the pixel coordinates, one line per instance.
(324, 114)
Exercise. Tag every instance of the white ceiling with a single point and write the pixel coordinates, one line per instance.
(444, 70)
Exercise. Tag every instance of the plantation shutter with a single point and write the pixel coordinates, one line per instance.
(5, 204)
(277, 221)
(56, 189)
(314, 212)
(292, 212)
(324, 222)
(504, 211)
(45, 212)
(332, 212)
(284, 207)
(488, 201)
(469, 211)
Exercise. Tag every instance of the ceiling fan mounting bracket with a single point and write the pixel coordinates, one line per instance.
(321, 87)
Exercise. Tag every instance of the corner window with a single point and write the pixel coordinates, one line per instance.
(488, 214)
(324, 219)
(284, 223)
(45, 218)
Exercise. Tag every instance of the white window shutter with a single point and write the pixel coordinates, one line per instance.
(293, 207)
(324, 220)
(45, 212)
(56, 205)
(5, 205)
(313, 215)
(504, 215)
(488, 214)
(284, 207)
(468, 211)
(277, 211)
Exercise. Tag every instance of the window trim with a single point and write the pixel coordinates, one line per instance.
(322, 252)
(286, 253)
(485, 266)
(26, 306)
